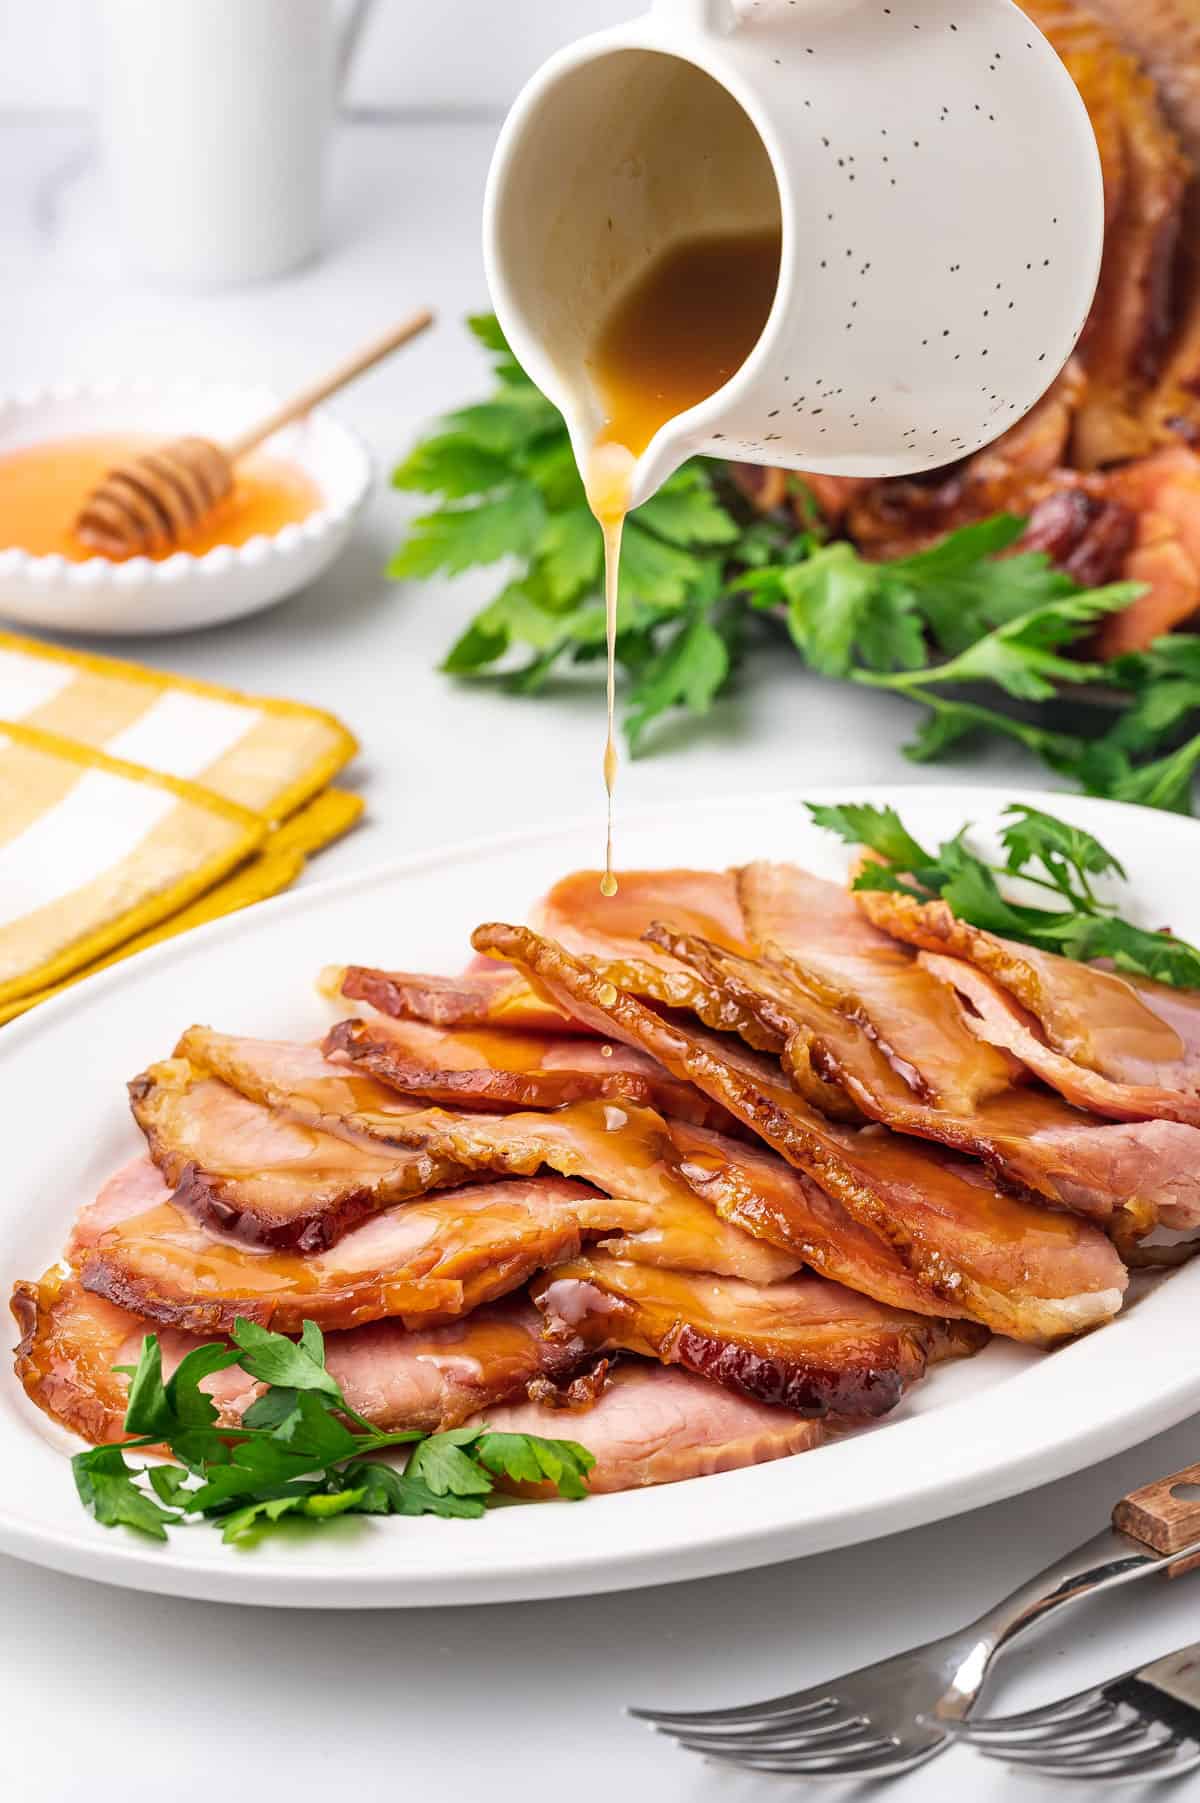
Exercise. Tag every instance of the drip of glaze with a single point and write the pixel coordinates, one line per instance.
(610, 472)
(680, 333)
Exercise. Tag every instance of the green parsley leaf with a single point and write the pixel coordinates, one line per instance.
(1041, 849)
(442, 1463)
(880, 830)
(529, 1459)
(689, 670)
(1164, 783)
(275, 1359)
(106, 1486)
(388, 1492)
(458, 538)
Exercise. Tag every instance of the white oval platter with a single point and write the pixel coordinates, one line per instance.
(971, 1434)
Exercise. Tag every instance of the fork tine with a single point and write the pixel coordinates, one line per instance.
(999, 1732)
(884, 1762)
(1120, 1737)
(769, 1740)
(1171, 1758)
(792, 1759)
(1028, 1718)
(799, 1706)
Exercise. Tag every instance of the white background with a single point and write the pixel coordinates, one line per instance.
(116, 1698)
(415, 54)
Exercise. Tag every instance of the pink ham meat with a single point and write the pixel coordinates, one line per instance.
(633, 1152)
(1130, 1174)
(493, 1068)
(806, 1344)
(1128, 1047)
(828, 947)
(435, 1259)
(481, 997)
(966, 1247)
(654, 1425)
(269, 1178)
(431, 1261)
(425, 1379)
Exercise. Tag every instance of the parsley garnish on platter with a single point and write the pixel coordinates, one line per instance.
(1048, 853)
(703, 578)
(300, 1450)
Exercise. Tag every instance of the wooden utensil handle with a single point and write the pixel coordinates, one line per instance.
(346, 371)
(1164, 1516)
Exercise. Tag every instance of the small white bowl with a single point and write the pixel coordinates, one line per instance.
(183, 593)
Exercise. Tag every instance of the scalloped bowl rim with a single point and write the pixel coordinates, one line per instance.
(99, 571)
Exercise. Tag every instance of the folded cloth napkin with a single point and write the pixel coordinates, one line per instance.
(135, 804)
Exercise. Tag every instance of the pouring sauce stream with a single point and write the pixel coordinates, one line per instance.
(678, 334)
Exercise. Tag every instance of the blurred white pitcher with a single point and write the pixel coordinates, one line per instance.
(214, 116)
(935, 177)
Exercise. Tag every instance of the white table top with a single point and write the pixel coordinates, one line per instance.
(111, 1695)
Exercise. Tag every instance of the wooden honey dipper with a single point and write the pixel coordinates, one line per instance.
(152, 502)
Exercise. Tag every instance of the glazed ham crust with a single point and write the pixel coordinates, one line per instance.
(865, 1009)
(430, 1260)
(498, 1069)
(270, 1179)
(1126, 1046)
(428, 1380)
(1018, 1268)
(804, 1344)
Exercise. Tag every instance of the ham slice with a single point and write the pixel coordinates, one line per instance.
(267, 1177)
(832, 950)
(652, 1425)
(430, 1261)
(1018, 1268)
(434, 1259)
(1140, 1038)
(479, 998)
(806, 1344)
(635, 1153)
(425, 1379)
(1130, 1174)
(491, 1068)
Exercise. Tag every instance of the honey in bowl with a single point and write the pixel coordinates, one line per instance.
(677, 335)
(43, 486)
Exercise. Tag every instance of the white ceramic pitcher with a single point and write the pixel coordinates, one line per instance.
(937, 183)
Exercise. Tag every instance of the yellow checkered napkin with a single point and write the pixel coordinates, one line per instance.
(270, 756)
(134, 805)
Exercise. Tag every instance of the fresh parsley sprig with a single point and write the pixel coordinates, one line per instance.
(704, 578)
(300, 1450)
(1049, 853)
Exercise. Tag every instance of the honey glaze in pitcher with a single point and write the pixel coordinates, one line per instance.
(683, 329)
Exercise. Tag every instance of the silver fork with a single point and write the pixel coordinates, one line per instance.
(1145, 1724)
(896, 1714)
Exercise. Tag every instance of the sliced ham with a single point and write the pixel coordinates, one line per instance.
(806, 1344)
(492, 1069)
(628, 1152)
(1114, 1172)
(652, 1425)
(425, 1379)
(430, 1261)
(268, 1177)
(1141, 1038)
(846, 962)
(1018, 1268)
(481, 997)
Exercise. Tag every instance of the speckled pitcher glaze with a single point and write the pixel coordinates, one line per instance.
(937, 184)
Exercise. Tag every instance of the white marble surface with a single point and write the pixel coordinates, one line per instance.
(112, 1696)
